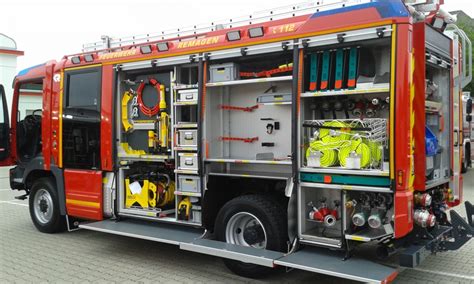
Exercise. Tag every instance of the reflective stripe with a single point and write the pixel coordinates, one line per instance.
(83, 203)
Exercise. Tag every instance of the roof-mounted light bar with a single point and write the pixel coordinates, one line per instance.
(162, 46)
(76, 60)
(89, 57)
(145, 49)
(256, 32)
(233, 36)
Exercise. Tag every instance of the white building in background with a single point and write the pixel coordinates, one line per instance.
(8, 64)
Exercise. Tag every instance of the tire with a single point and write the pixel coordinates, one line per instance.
(464, 166)
(266, 215)
(466, 160)
(44, 207)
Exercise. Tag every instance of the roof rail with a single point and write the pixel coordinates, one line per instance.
(305, 8)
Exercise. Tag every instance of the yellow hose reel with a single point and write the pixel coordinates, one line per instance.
(165, 194)
(328, 155)
(151, 195)
(359, 148)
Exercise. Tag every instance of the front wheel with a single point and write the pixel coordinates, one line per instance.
(44, 207)
(256, 221)
(464, 166)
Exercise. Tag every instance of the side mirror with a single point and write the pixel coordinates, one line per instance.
(468, 118)
(469, 106)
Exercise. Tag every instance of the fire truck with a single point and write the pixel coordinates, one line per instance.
(298, 137)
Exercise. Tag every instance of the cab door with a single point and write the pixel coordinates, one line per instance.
(5, 158)
(80, 142)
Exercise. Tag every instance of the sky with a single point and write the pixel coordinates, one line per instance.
(49, 29)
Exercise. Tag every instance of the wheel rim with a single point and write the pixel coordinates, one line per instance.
(43, 206)
(245, 229)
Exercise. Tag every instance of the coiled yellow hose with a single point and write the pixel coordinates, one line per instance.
(328, 155)
(327, 135)
(360, 149)
(168, 196)
(375, 151)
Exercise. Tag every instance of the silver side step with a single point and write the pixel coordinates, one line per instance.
(325, 261)
(318, 260)
(235, 252)
(157, 232)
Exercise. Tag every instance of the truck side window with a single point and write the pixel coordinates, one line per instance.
(81, 119)
(83, 91)
(29, 120)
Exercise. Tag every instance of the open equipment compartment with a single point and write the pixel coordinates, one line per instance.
(437, 136)
(145, 180)
(157, 125)
(321, 220)
(145, 114)
(344, 194)
(186, 132)
(345, 107)
(249, 118)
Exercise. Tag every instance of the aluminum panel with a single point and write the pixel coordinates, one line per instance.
(329, 262)
(157, 232)
(235, 252)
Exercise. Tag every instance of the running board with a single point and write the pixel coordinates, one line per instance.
(235, 252)
(330, 262)
(318, 260)
(157, 232)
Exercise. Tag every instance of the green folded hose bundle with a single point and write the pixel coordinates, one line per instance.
(358, 147)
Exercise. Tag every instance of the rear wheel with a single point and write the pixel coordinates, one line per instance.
(255, 221)
(44, 207)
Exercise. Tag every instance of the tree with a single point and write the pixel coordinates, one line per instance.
(466, 24)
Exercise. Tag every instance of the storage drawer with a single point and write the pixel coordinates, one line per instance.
(224, 72)
(187, 96)
(187, 161)
(189, 184)
(274, 99)
(187, 137)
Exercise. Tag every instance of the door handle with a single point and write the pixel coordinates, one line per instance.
(456, 138)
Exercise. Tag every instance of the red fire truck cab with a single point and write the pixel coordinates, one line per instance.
(286, 139)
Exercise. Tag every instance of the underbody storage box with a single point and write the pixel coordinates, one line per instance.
(189, 183)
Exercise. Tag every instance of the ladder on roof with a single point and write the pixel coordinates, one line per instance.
(279, 13)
